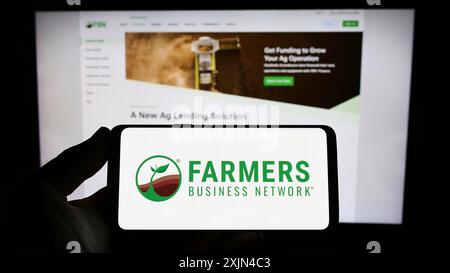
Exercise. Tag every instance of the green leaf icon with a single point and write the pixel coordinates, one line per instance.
(153, 169)
(162, 168)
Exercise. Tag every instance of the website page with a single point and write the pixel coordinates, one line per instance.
(349, 69)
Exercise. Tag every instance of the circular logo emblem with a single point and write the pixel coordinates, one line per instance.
(158, 178)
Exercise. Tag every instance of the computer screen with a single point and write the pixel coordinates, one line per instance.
(348, 69)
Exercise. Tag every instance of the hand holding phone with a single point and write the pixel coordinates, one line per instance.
(224, 178)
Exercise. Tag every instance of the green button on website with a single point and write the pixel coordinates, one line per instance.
(350, 23)
(278, 81)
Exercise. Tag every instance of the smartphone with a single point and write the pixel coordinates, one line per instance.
(186, 177)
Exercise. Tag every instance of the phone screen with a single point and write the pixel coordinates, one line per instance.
(224, 178)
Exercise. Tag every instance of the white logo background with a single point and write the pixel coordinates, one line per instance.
(235, 212)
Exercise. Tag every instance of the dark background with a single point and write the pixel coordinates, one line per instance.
(425, 226)
(319, 90)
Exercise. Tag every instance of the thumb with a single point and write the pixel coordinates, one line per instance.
(76, 164)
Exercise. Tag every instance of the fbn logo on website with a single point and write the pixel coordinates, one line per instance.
(216, 182)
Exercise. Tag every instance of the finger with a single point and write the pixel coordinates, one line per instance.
(98, 201)
(68, 170)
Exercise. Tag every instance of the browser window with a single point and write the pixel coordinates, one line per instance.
(348, 69)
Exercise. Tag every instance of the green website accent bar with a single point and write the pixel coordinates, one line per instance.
(350, 23)
(278, 81)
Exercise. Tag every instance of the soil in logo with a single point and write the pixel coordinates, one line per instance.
(163, 186)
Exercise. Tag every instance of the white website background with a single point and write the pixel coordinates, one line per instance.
(82, 86)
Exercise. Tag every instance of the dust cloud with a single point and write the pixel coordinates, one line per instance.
(162, 58)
